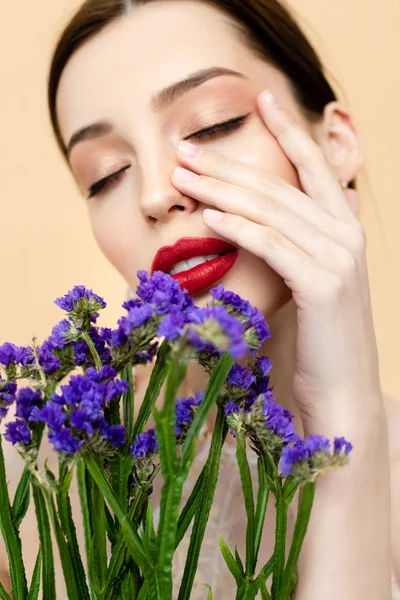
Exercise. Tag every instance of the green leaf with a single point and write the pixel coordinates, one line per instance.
(209, 595)
(70, 576)
(128, 588)
(48, 579)
(19, 586)
(98, 528)
(230, 561)
(188, 511)
(132, 539)
(239, 562)
(3, 593)
(110, 526)
(215, 384)
(306, 500)
(247, 488)
(35, 582)
(82, 479)
(69, 531)
(262, 502)
(174, 475)
(21, 498)
(207, 496)
(94, 569)
(158, 375)
(128, 403)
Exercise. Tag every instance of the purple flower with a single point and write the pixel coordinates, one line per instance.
(307, 458)
(27, 399)
(171, 326)
(64, 441)
(254, 319)
(115, 434)
(163, 292)
(231, 408)
(7, 396)
(185, 409)
(17, 432)
(76, 414)
(58, 338)
(292, 455)
(340, 443)
(218, 331)
(83, 356)
(47, 360)
(145, 444)
(80, 299)
(241, 377)
(12, 354)
(279, 421)
(52, 414)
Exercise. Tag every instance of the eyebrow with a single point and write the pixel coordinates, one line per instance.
(159, 101)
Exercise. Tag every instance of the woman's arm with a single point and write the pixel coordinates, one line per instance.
(347, 549)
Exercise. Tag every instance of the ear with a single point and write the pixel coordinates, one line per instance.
(340, 141)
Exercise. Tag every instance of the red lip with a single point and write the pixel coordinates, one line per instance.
(204, 275)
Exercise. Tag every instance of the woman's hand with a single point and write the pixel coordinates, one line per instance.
(314, 241)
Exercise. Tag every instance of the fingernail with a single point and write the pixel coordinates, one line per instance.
(268, 98)
(190, 150)
(213, 215)
(185, 175)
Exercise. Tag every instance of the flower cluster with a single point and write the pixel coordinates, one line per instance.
(257, 330)
(19, 431)
(81, 304)
(309, 458)
(75, 417)
(145, 445)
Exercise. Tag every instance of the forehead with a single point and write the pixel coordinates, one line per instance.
(140, 53)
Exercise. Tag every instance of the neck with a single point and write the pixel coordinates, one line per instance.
(281, 350)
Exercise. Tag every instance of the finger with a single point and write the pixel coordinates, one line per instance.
(316, 176)
(298, 269)
(265, 210)
(271, 186)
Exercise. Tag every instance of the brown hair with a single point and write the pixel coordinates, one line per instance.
(266, 27)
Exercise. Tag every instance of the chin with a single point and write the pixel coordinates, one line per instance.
(253, 280)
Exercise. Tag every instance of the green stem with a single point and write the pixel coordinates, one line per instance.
(68, 529)
(306, 500)
(205, 503)
(158, 375)
(19, 586)
(247, 488)
(132, 539)
(128, 403)
(280, 540)
(217, 380)
(86, 337)
(48, 578)
(262, 502)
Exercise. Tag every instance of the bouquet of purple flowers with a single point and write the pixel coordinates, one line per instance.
(90, 420)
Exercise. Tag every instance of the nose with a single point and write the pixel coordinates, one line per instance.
(160, 200)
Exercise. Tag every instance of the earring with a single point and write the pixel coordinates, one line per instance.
(344, 185)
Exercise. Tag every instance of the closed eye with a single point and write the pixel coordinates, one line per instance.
(209, 132)
(225, 127)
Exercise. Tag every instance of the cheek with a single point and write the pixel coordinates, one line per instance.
(115, 234)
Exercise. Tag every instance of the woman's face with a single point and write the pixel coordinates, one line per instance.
(112, 78)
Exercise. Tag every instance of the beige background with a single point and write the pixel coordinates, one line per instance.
(46, 245)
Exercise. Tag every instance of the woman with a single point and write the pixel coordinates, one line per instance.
(279, 180)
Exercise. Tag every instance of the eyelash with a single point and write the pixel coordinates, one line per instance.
(226, 127)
